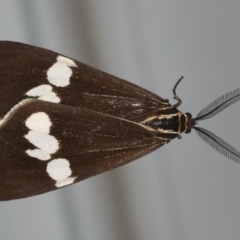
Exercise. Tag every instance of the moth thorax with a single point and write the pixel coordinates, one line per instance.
(170, 123)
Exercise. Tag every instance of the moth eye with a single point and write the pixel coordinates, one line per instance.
(188, 130)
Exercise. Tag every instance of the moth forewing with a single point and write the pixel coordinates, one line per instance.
(54, 145)
(43, 74)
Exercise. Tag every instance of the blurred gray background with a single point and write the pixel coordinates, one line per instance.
(184, 190)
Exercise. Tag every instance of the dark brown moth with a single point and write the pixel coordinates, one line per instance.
(62, 121)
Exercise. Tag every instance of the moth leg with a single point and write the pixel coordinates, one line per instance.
(179, 101)
(165, 100)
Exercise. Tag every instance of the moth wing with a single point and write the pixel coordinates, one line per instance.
(45, 146)
(27, 71)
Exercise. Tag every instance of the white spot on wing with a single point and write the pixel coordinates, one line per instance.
(65, 182)
(59, 170)
(39, 125)
(39, 122)
(44, 142)
(66, 61)
(60, 72)
(39, 91)
(44, 93)
(59, 75)
(39, 154)
(50, 97)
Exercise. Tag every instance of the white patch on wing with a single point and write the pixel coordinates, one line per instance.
(39, 125)
(44, 142)
(44, 93)
(39, 91)
(50, 97)
(59, 170)
(39, 154)
(66, 61)
(65, 182)
(59, 75)
(60, 72)
(39, 122)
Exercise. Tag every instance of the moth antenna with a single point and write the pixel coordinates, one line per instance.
(218, 144)
(219, 104)
(179, 101)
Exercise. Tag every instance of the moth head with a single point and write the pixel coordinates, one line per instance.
(190, 122)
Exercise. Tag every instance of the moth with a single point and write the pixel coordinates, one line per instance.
(62, 121)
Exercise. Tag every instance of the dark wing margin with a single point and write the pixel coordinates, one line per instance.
(24, 67)
(218, 144)
(84, 142)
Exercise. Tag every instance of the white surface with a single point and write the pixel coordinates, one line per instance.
(183, 191)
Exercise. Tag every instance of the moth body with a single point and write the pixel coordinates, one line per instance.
(62, 121)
